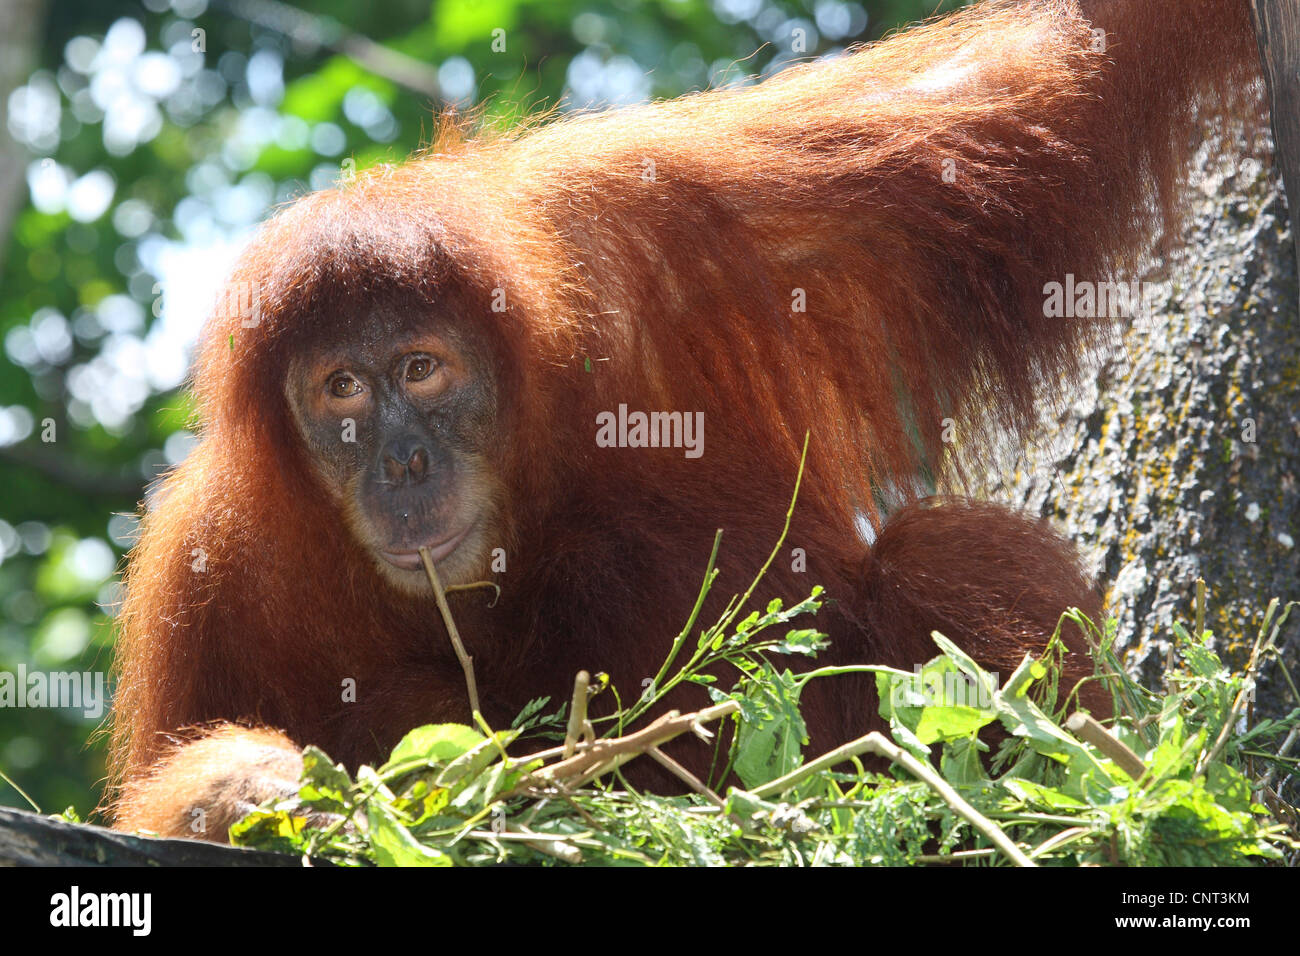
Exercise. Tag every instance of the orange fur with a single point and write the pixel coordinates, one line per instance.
(210, 782)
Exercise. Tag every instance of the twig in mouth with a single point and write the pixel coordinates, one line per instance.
(466, 662)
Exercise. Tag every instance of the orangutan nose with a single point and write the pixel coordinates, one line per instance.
(406, 462)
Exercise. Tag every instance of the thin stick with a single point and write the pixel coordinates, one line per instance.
(21, 792)
(1287, 744)
(602, 756)
(520, 836)
(785, 530)
(1087, 728)
(1252, 670)
(550, 844)
(466, 662)
(692, 781)
(877, 743)
(829, 759)
(735, 605)
(577, 713)
(956, 856)
(561, 851)
(1060, 839)
(685, 632)
(1200, 608)
(474, 586)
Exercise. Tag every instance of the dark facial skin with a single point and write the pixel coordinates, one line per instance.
(416, 472)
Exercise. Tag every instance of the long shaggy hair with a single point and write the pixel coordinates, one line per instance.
(856, 248)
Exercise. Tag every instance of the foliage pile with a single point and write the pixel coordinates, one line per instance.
(1185, 777)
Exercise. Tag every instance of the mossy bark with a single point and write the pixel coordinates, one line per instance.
(1179, 458)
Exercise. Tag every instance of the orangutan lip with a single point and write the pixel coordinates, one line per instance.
(410, 560)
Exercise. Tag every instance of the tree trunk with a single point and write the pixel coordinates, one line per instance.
(1179, 459)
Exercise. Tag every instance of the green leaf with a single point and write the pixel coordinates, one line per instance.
(772, 731)
(532, 708)
(434, 745)
(806, 641)
(1229, 785)
(938, 724)
(461, 771)
(1040, 797)
(960, 763)
(394, 844)
(325, 785)
(939, 703)
(275, 830)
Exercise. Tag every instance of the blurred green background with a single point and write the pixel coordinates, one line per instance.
(140, 142)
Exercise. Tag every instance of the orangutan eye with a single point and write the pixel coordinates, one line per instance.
(342, 385)
(420, 367)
